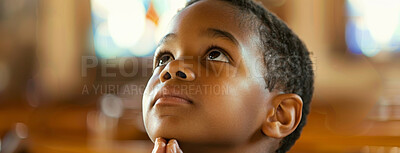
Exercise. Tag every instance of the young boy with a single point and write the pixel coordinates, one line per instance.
(261, 69)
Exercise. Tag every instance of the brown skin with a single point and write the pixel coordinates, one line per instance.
(161, 146)
(243, 116)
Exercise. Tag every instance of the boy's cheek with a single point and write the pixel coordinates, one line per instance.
(151, 84)
(149, 92)
(218, 70)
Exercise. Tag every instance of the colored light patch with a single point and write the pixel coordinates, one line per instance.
(152, 14)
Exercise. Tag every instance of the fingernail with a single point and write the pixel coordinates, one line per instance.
(174, 141)
(176, 146)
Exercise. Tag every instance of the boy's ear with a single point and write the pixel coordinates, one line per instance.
(283, 116)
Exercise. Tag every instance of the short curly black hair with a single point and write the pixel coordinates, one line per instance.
(286, 59)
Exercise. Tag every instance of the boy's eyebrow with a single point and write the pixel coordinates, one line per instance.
(216, 33)
(211, 32)
(166, 38)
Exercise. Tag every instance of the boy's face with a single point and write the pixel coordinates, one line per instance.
(208, 72)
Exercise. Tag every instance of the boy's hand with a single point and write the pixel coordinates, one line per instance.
(161, 146)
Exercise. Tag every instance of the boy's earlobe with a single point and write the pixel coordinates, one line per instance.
(284, 115)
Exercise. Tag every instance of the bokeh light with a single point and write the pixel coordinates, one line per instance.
(373, 26)
(147, 41)
(126, 22)
(104, 45)
(166, 14)
(111, 105)
(130, 27)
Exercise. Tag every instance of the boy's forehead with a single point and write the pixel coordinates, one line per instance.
(206, 15)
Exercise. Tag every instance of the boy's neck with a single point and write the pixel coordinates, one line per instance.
(258, 144)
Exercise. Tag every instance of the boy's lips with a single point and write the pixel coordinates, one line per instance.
(170, 96)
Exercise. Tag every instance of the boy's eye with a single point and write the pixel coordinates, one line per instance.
(216, 55)
(164, 59)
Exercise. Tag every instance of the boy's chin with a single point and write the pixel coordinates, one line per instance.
(172, 128)
(193, 133)
(188, 136)
(167, 134)
(183, 136)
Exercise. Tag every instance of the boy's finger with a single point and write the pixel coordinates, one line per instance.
(173, 147)
(178, 149)
(159, 146)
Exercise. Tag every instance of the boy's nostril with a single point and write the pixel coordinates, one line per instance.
(181, 74)
(167, 76)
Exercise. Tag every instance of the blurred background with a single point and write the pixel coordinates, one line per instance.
(72, 73)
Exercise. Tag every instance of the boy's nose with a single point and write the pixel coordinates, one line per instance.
(177, 70)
